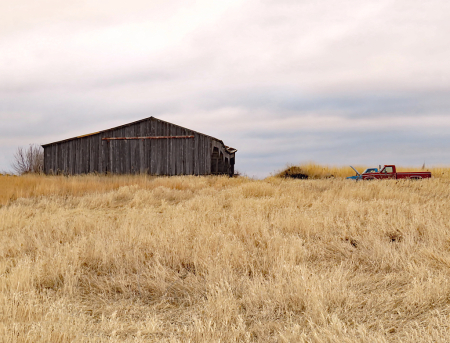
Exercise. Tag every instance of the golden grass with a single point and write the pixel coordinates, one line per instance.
(32, 185)
(214, 259)
(318, 171)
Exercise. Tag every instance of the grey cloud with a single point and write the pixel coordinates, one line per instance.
(282, 81)
(352, 105)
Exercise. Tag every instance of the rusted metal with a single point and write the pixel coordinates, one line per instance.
(89, 134)
(137, 138)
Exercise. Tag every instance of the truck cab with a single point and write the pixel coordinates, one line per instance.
(388, 172)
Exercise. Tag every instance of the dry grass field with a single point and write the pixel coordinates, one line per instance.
(214, 259)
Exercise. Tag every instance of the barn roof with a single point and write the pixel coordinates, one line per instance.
(229, 149)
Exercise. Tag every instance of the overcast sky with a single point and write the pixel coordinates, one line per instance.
(283, 81)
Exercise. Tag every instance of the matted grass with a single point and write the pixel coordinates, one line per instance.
(209, 259)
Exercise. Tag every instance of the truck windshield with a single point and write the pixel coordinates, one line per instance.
(370, 170)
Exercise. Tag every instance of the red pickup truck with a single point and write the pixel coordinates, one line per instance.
(389, 172)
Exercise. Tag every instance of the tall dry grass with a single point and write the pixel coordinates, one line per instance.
(214, 259)
(34, 185)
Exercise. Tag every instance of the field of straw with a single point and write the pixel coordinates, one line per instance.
(217, 259)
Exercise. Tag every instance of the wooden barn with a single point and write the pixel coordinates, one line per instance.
(149, 145)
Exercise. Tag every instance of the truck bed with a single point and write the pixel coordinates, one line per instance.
(413, 175)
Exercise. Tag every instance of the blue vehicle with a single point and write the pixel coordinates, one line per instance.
(358, 176)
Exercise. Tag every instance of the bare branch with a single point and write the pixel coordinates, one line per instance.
(29, 160)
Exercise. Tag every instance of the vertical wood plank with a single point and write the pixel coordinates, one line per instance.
(154, 149)
(205, 141)
(69, 157)
(190, 156)
(96, 142)
(75, 156)
(200, 158)
(118, 155)
(179, 152)
(92, 154)
(86, 155)
(172, 144)
(107, 160)
(196, 144)
(208, 157)
(63, 156)
(111, 157)
(54, 158)
(159, 148)
(150, 147)
(199, 151)
(121, 149)
(101, 164)
(172, 148)
(49, 157)
(163, 153)
(140, 147)
(57, 158)
(137, 165)
(167, 152)
(180, 156)
(82, 156)
(128, 150)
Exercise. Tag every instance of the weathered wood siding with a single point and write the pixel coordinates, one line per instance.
(180, 156)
